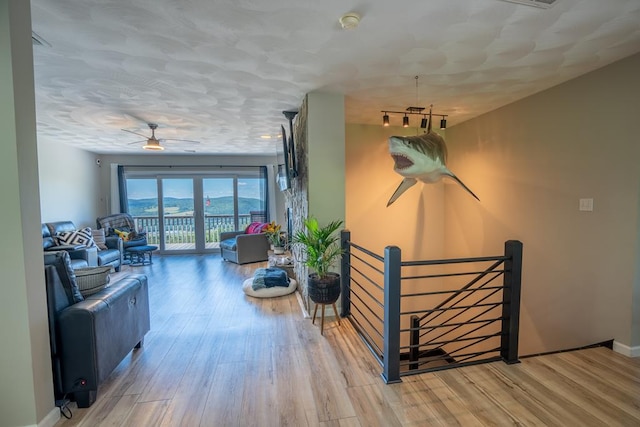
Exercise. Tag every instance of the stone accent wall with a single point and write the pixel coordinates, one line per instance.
(297, 198)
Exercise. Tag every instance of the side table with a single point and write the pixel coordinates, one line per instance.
(283, 261)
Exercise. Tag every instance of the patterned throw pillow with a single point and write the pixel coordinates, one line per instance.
(99, 238)
(78, 237)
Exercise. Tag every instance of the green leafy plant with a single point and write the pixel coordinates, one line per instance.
(321, 245)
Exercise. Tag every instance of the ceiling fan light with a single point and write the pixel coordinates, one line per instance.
(405, 121)
(385, 120)
(153, 145)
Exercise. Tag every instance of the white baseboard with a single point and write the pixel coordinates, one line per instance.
(305, 313)
(626, 350)
(51, 419)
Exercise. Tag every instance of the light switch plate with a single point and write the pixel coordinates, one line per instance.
(586, 205)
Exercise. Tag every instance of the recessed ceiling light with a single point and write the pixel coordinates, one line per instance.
(265, 136)
(350, 20)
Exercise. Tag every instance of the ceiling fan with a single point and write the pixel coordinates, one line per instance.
(153, 143)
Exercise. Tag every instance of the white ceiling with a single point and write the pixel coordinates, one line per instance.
(222, 71)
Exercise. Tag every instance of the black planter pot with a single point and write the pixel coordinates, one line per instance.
(326, 290)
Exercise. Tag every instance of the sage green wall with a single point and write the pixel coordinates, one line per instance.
(530, 162)
(326, 156)
(25, 368)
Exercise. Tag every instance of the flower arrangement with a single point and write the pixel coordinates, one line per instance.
(274, 235)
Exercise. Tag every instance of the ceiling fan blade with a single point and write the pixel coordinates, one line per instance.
(137, 142)
(135, 117)
(180, 140)
(136, 133)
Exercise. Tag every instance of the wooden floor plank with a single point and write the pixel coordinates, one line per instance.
(224, 400)
(146, 414)
(215, 357)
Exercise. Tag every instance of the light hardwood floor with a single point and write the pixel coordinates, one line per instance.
(214, 357)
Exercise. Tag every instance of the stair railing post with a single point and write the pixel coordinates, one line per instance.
(391, 327)
(511, 301)
(345, 273)
(414, 343)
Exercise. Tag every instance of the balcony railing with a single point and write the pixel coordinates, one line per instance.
(180, 229)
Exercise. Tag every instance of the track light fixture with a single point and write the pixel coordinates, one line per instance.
(424, 122)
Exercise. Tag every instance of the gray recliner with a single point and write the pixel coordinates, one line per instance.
(241, 248)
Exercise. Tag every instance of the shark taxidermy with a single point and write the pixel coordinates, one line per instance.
(420, 158)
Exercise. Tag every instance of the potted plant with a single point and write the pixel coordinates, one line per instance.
(323, 250)
(275, 237)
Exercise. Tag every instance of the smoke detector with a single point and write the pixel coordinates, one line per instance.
(350, 20)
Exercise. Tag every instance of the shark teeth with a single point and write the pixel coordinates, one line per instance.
(402, 161)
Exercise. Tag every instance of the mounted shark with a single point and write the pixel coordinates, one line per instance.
(420, 158)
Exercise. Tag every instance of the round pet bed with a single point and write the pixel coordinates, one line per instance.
(275, 291)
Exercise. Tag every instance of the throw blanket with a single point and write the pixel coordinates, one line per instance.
(269, 277)
(122, 222)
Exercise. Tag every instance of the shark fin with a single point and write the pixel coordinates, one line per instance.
(404, 186)
(456, 179)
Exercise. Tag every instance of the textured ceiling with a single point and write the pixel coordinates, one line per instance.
(222, 71)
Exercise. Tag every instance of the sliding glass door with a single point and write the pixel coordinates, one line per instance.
(187, 213)
(143, 205)
(178, 214)
(219, 208)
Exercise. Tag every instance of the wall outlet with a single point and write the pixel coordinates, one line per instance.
(586, 205)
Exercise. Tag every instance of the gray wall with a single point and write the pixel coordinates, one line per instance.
(530, 162)
(69, 184)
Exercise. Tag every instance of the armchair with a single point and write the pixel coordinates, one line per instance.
(242, 248)
(122, 222)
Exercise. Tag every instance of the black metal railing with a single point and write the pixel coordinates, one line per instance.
(421, 316)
